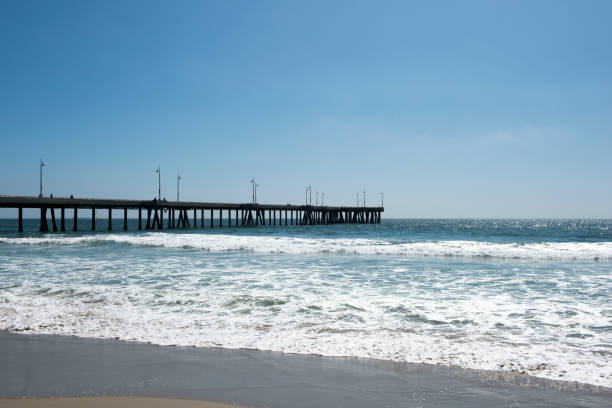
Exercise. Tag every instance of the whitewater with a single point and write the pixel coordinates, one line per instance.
(294, 245)
(528, 296)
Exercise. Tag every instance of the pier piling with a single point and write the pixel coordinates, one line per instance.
(53, 219)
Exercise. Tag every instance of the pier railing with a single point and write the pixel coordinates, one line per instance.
(184, 214)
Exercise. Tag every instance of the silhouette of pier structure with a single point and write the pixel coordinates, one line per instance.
(183, 214)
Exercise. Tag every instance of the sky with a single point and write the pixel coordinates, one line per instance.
(452, 109)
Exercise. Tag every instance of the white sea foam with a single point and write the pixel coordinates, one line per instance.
(549, 323)
(364, 246)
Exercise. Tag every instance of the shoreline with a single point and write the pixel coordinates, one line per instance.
(51, 366)
(513, 378)
(104, 402)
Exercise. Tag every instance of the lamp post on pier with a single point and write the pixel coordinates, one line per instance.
(42, 164)
(322, 198)
(310, 189)
(158, 171)
(363, 198)
(178, 178)
(254, 190)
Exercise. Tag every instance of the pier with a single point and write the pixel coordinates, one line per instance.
(183, 214)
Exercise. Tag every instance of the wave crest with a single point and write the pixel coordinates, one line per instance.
(300, 245)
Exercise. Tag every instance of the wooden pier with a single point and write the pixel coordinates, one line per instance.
(182, 214)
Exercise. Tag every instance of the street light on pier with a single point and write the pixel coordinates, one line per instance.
(42, 164)
(317, 200)
(255, 185)
(357, 199)
(158, 171)
(363, 198)
(178, 178)
(322, 198)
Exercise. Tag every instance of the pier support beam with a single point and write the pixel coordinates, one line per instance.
(93, 218)
(75, 220)
(195, 218)
(20, 221)
(125, 218)
(62, 222)
(148, 224)
(110, 219)
(53, 219)
(43, 220)
(211, 218)
(220, 217)
(202, 218)
(155, 219)
(139, 218)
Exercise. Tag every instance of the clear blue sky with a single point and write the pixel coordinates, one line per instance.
(453, 109)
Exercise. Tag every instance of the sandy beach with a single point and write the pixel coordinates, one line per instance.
(102, 402)
(37, 370)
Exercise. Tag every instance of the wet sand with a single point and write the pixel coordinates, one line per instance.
(41, 366)
(104, 402)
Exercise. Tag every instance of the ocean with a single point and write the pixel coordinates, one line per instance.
(528, 296)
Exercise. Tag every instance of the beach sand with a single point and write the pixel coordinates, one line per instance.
(104, 402)
(43, 366)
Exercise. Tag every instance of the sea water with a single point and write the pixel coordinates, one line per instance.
(529, 296)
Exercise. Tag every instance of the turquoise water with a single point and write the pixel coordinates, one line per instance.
(530, 296)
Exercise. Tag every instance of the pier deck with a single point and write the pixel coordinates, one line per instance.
(247, 214)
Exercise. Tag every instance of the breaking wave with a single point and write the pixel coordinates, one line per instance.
(362, 246)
